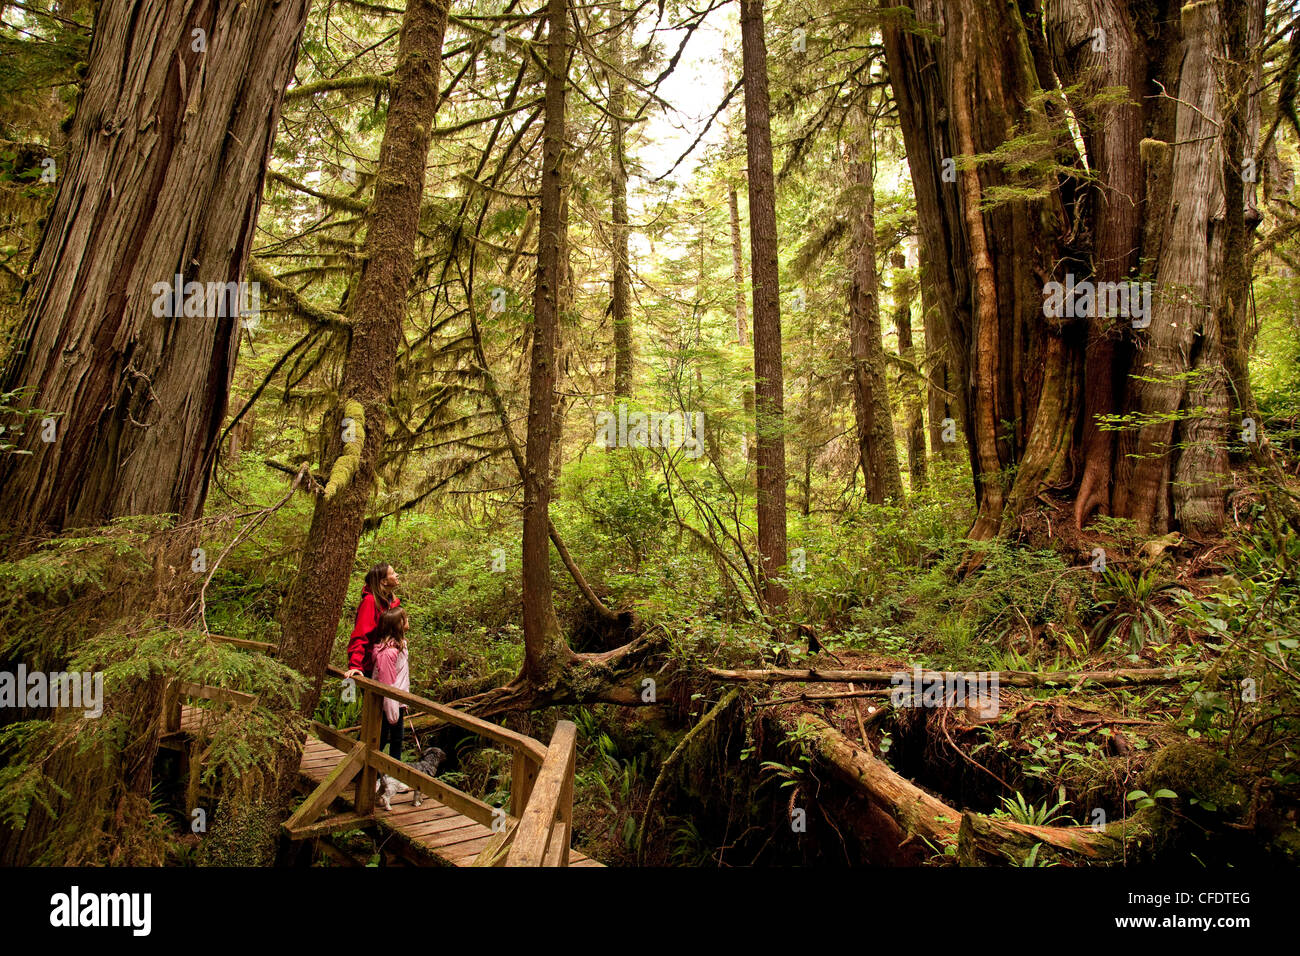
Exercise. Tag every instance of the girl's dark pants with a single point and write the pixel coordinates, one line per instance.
(391, 734)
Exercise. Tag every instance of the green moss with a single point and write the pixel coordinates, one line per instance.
(1194, 770)
(245, 833)
(346, 465)
(1153, 151)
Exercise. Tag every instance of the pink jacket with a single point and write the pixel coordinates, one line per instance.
(391, 668)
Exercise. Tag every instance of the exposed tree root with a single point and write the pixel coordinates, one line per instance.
(610, 677)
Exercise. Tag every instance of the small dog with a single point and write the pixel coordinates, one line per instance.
(428, 763)
(388, 787)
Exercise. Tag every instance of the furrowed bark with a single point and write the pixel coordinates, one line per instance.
(877, 450)
(748, 449)
(916, 464)
(314, 605)
(1186, 286)
(1037, 386)
(166, 165)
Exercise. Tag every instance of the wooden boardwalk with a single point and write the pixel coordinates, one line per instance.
(537, 829)
(449, 837)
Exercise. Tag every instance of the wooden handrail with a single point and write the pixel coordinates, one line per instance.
(180, 688)
(266, 647)
(541, 822)
(547, 822)
(204, 692)
(507, 738)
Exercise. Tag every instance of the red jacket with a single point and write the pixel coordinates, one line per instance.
(361, 646)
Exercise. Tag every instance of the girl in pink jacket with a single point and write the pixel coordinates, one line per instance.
(392, 668)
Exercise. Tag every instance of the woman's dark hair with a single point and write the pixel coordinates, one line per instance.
(377, 581)
(391, 624)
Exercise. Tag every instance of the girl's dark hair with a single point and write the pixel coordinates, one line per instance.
(391, 625)
(377, 581)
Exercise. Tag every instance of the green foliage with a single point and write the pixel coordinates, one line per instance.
(612, 783)
(74, 603)
(1031, 858)
(968, 623)
(1040, 815)
(1132, 612)
(333, 711)
(1248, 618)
(1141, 799)
(1275, 362)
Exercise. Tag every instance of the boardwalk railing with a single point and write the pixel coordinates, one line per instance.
(541, 780)
(537, 830)
(545, 828)
(179, 689)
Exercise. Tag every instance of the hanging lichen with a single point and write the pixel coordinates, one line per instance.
(346, 465)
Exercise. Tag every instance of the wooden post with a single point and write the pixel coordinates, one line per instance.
(564, 813)
(372, 716)
(194, 771)
(319, 800)
(172, 708)
(523, 774)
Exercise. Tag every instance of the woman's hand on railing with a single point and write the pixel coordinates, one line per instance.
(354, 672)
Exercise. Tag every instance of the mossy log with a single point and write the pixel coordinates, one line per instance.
(1108, 678)
(983, 839)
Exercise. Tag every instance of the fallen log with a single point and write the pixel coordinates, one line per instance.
(975, 839)
(984, 839)
(810, 698)
(1109, 678)
(913, 809)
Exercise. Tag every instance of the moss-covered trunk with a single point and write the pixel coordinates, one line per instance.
(357, 427)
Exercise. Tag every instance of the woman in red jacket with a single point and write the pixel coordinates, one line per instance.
(376, 597)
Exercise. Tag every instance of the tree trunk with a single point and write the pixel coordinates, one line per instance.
(619, 287)
(748, 450)
(168, 155)
(903, 295)
(1158, 484)
(941, 388)
(1111, 133)
(877, 450)
(1152, 209)
(768, 373)
(976, 839)
(545, 648)
(314, 605)
(563, 307)
(1243, 30)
